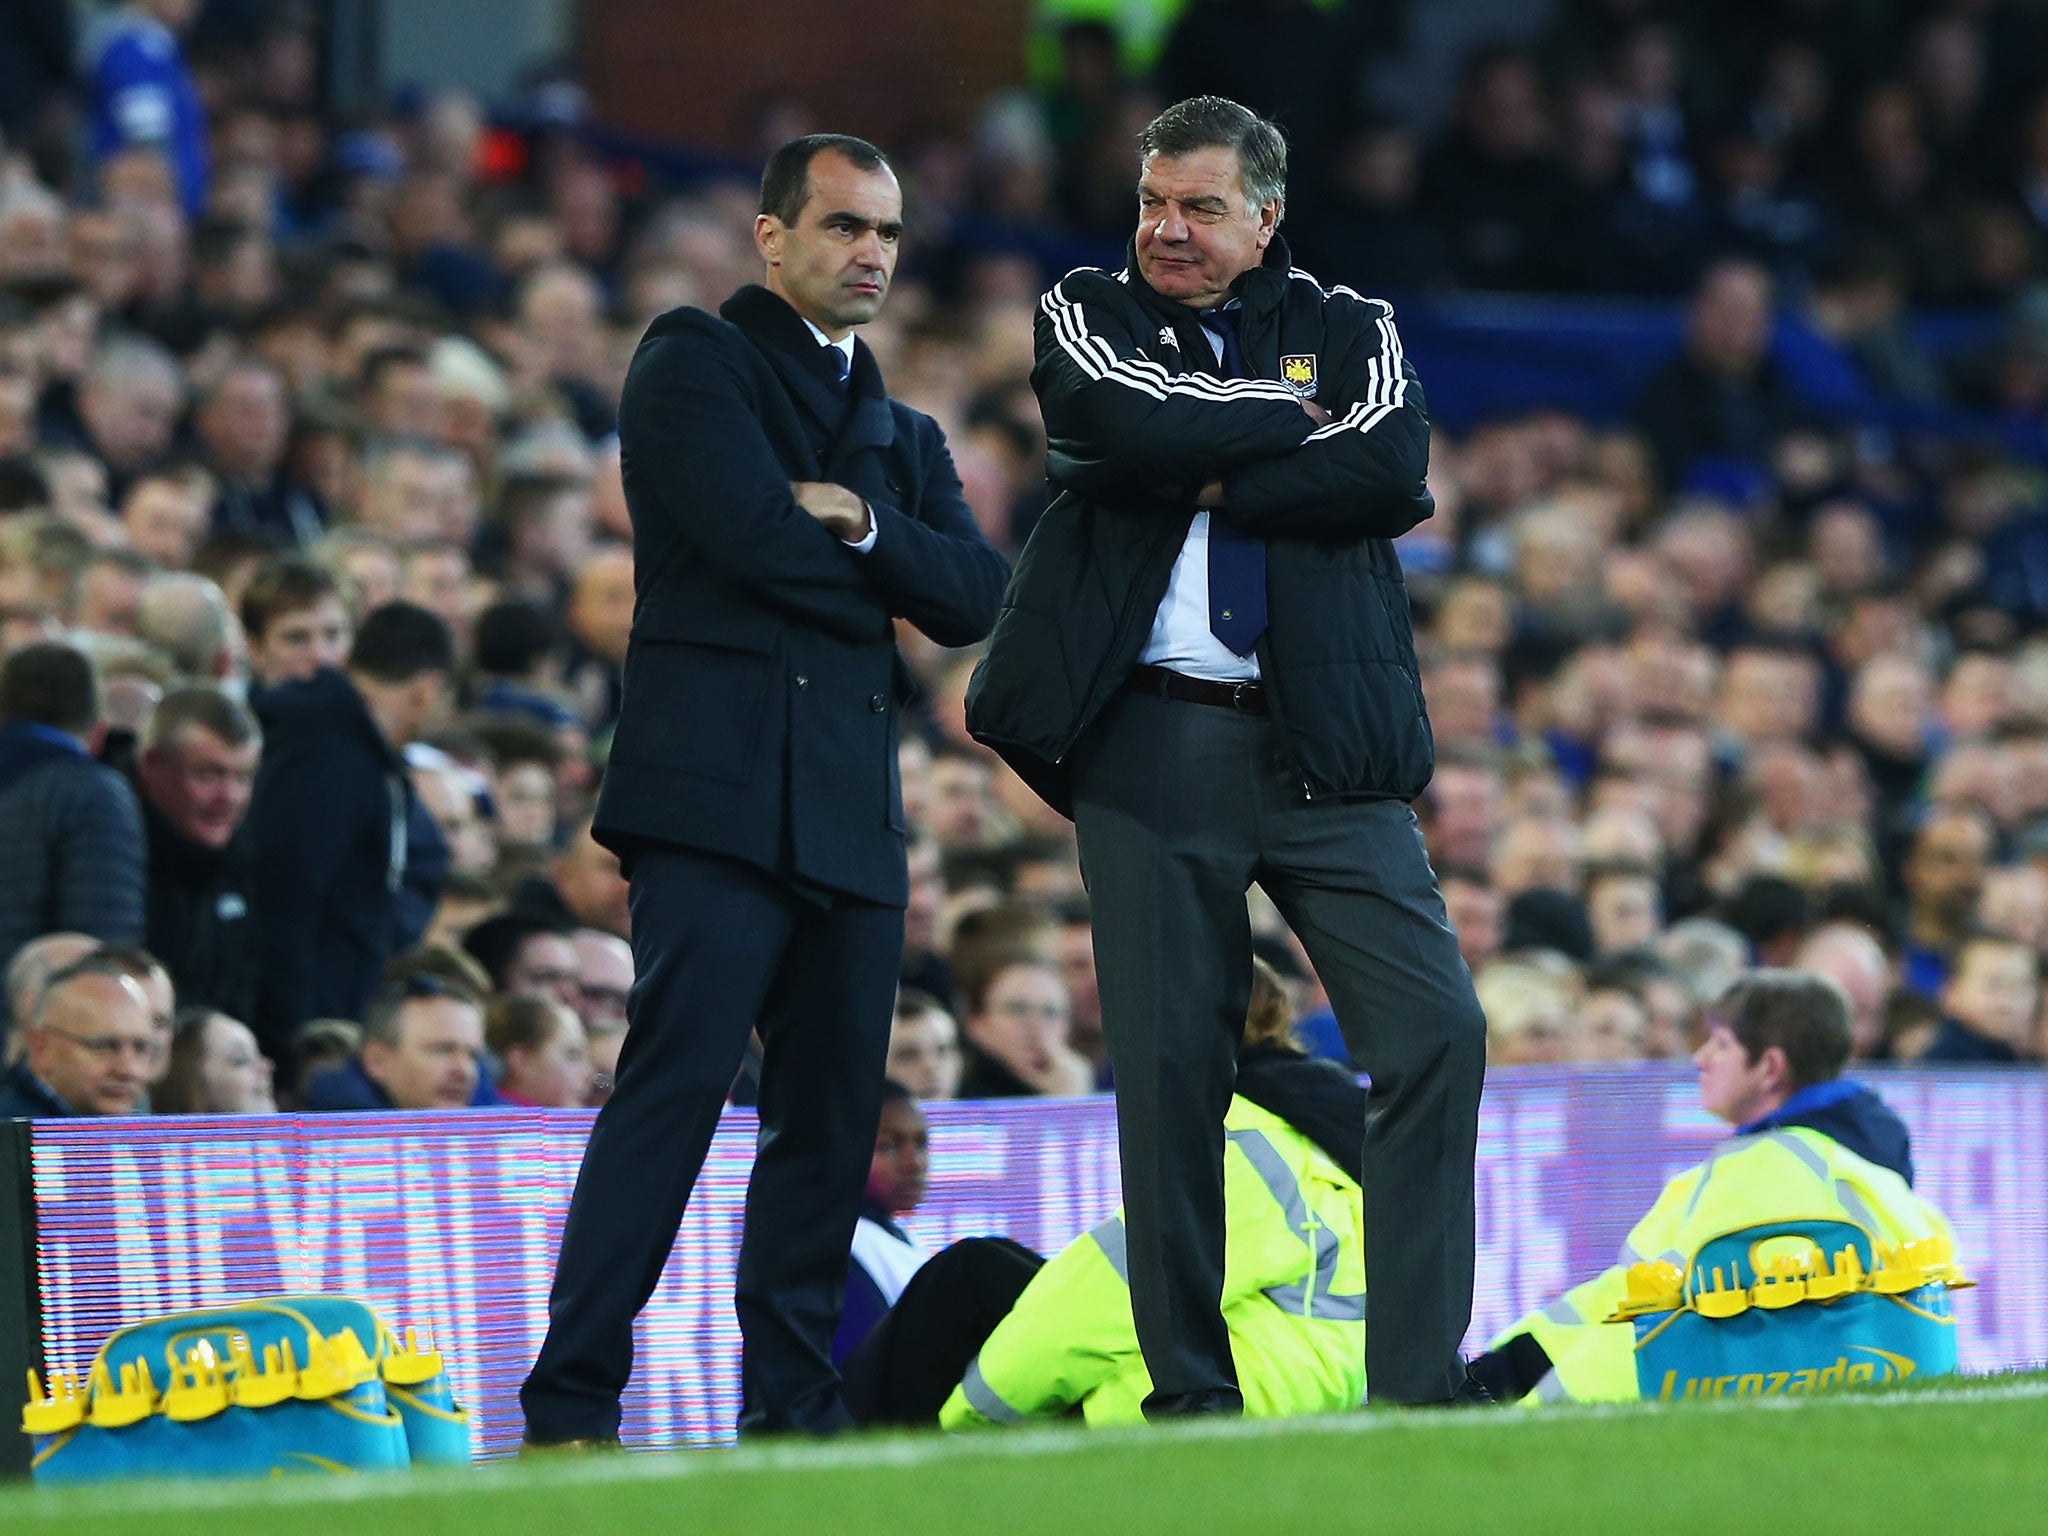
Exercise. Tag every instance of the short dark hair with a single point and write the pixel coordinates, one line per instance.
(385, 1016)
(286, 585)
(513, 637)
(50, 683)
(523, 497)
(203, 706)
(23, 487)
(786, 182)
(1215, 122)
(1804, 1015)
(496, 941)
(401, 641)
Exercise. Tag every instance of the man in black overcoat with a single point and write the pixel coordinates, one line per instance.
(786, 513)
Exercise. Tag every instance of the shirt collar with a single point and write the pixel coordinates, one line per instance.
(844, 344)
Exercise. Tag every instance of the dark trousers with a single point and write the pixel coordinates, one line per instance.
(1181, 807)
(910, 1362)
(718, 950)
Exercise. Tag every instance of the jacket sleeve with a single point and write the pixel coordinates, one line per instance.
(1361, 476)
(936, 569)
(1593, 1360)
(1070, 1331)
(1120, 427)
(99, 881)
(696, 446)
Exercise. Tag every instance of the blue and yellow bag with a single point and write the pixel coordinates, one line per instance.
(289, 1384)
(1790, 1308)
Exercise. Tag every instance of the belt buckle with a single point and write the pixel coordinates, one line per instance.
(1237, 694)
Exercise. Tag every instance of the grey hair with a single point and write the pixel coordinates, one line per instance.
(1214, 122)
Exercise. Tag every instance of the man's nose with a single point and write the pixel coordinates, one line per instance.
(1172, 227)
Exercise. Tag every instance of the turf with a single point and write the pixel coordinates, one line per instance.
(1963, 1457)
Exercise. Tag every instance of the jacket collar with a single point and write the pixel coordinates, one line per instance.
(813, 378)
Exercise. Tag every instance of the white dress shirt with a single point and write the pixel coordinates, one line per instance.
(1181, 639)
(845, 348)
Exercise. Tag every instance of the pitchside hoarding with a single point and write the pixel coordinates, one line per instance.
(448, 1222)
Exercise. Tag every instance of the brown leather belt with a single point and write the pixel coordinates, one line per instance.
(1246, 698)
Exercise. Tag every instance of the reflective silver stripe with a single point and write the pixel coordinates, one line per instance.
(1628, 1255)
(1563, 1312)
(1109, 1237)
(1854, 1203)
(1815, 1163)
(1550, 1389)
(1311, 1296)
(981, 1397)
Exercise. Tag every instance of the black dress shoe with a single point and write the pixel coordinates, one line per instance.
(593, 1445)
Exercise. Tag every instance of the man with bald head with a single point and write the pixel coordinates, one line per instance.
(1854, 961)
(187, 618)
(89, 1048)
(30, 971)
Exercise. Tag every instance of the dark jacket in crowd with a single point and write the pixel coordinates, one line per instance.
(984, 1077)
(1848, 1113)
(1127, 418)
(1690, 415)
(336, 835)
(759, 718)
(71, 844)
(1956, 1044)
(200, 924)
(24, 1096)
(348, 1088)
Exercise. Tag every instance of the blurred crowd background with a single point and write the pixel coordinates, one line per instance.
(316, 580)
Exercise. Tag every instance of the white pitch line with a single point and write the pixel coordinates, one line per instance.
(856, 1453)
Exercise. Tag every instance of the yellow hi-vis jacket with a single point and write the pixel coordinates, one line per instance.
(1788, 1174)
(1293, 1298)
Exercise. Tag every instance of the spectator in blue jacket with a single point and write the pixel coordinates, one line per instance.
(144, 98)
(70, 826)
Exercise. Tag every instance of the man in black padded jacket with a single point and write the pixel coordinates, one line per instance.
(1205, 660)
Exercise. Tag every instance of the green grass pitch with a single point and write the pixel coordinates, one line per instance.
(1962, 1457)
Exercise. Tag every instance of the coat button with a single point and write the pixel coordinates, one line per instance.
(878, 703)
(803, 680)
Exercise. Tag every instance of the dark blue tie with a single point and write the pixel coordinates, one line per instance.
(1237, 561)
(841, 363)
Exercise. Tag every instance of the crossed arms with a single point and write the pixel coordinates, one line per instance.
(1123, 430)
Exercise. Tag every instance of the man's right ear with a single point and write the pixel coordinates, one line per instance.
(768, 232)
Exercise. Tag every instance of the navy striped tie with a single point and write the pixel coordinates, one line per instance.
(1237, 561)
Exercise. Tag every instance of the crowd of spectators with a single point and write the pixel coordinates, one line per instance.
(315, 578)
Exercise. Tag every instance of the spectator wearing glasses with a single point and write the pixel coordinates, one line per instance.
(423, 1044)
(90, 1048)
(527, 955)
(604, 976)
(69, 825)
